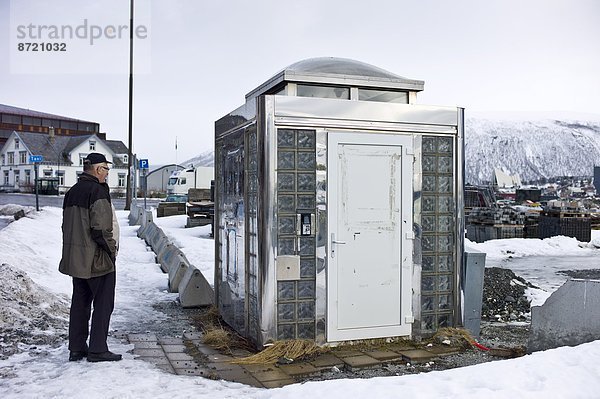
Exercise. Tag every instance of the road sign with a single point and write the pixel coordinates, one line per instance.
(36, 158)
(144, 164)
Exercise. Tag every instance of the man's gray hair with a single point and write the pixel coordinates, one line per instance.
(87, 165)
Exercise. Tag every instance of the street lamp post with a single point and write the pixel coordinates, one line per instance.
(52, 141)
(128, 194)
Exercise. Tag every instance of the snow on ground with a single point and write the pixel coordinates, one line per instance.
(498, 250)
(538, 261)
(32, 245)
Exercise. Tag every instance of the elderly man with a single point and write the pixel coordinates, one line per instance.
(90, 241)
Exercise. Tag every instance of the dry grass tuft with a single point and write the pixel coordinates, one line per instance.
(457, 336)
(290, 349)
(217, 338)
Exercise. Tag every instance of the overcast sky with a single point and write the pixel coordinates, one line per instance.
(198, 59)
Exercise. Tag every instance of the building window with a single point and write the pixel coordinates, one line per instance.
(385, 96)
(23, 157)
(50, 122)
(68, 125)
(81, 158)
(92, 145)
(61, 177)
(86, 127)
(27, 120)
(121, 182)
(12, 119)
(17, 144)
(323, 91)
(27, 176)
(11, 158)
(125, 159)
(47, 172)
(17, 177)
(6, 177)
(3, 159)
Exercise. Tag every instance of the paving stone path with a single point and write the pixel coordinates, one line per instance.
(187, 355)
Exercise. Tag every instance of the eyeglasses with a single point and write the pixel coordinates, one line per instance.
(105, 168)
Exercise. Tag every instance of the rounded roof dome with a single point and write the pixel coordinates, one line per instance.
(337, 71)
(340, 66)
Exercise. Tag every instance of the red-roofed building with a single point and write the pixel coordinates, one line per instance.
(14, 119)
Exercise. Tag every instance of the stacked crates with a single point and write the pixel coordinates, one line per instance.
(557, 222)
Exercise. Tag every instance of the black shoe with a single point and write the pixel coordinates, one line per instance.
(107, 356)
(75, 356)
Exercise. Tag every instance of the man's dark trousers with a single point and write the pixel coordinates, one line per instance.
(101, 292)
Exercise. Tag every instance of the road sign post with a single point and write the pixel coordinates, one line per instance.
(144, 164)
(36, 159)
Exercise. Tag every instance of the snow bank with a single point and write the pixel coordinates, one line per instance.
(11, 209)
(517, 247)
(29, 314)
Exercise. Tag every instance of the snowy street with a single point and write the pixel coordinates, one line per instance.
(31, 247)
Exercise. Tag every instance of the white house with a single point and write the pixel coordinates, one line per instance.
(157, 179)
(62, 158)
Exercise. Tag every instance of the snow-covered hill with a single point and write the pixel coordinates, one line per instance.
(533, 148)
(206, 158)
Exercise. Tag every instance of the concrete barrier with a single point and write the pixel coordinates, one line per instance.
(164, 257)
(160, 239)
(133, 216)
(570, 316)
(194, 290)
(177, 268)
(184, 278)
(149, 232)
(163, 242)
(142, 231)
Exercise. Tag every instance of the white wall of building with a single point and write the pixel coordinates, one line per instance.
(17, 173)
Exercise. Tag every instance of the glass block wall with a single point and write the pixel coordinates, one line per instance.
(252, 230)
(296, 193)
(438, 240)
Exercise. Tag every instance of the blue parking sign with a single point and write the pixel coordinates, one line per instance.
(144, 164)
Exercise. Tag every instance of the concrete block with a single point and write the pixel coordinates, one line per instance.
(165, 256)
(177, 269)
(570, 316)
(166, 252)
(194, 290)
(134, 216)
(142, 231)
(158, 239)
(161, 245)
(147, 216)
(148, 232)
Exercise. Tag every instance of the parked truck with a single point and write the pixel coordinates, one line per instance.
(181, 181)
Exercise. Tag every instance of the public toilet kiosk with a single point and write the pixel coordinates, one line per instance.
(339, 207)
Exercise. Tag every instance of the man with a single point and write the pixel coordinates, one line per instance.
(89, 252)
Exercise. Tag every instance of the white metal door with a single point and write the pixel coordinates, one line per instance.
(370, 229)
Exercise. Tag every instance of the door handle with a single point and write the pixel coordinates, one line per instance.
(335, 242)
